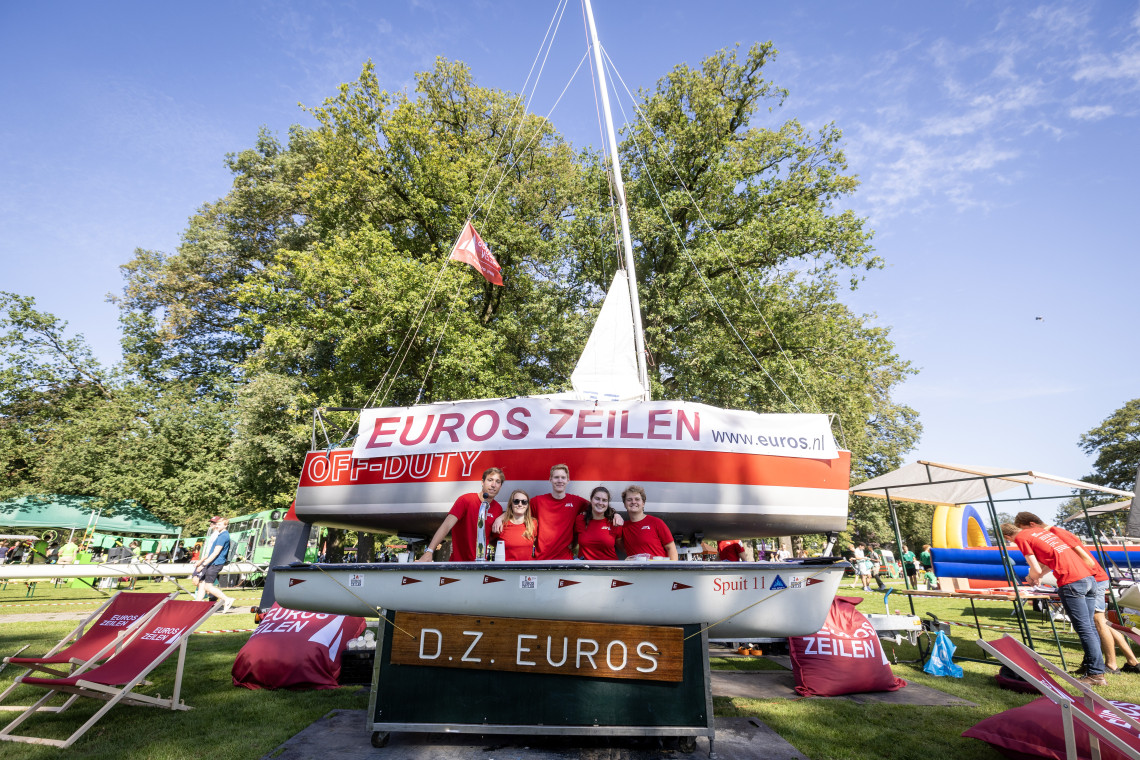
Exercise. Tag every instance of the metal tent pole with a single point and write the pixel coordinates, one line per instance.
(1101, 553)
(1007, 563)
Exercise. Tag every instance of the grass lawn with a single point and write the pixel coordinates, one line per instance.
(243, 724)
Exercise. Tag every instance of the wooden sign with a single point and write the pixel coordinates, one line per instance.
(565, 647)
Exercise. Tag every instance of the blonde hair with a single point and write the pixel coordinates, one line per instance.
(634, 489)
(565, 468)
(529, 523)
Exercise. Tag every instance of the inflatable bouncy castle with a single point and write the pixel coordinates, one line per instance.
(962, 551)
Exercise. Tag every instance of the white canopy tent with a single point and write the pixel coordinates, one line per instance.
(941, 483)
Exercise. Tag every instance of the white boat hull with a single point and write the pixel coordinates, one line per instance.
(735, 599)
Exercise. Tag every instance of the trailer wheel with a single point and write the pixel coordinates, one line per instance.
(380, 739)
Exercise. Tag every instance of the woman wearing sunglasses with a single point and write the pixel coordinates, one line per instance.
(520, 529)
(595, 535)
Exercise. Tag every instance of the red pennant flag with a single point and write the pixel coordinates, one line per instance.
(406, 580)
(445, 581)
(615, 583)
(475, 252)
(491, 579)
(678, 586)
(562, 583)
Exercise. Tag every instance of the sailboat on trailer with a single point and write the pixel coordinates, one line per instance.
(708, 472)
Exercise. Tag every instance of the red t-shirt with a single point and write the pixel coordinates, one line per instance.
(596, 539)
(519, 547)
(466, 508)
(730, 551)
(1098, 572)
(649, 535)
(556, 516)
(1053, 553)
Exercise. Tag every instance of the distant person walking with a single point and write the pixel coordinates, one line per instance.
(211, 564)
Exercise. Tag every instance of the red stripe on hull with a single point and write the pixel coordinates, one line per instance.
(586, 465)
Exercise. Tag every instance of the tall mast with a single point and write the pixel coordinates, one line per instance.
(623, 211)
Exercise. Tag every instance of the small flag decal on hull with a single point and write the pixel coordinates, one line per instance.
(813, 581)
(294, 581)
(406, 580)
(562, 583)
(491, 579)
(618, 584)
(444, 581)
(679, 586)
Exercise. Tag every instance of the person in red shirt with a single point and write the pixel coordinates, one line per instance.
(730, 551)
(519, 529)
(1076, 588)
(1110, 638)
(643, 533)
(595, 535)
(556, 512)
(465, 514)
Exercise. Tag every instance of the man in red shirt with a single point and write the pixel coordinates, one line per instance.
(465, 514)
(556, 512)
(1110, 638)
(644, 533)
(1075, 585)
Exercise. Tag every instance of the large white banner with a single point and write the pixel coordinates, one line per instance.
(545, 423)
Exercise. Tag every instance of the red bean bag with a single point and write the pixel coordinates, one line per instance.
(843, 657)
(1036, 730)
(1009, 679)
(295, 650)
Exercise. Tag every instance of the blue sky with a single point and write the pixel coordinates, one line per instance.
(996, 144)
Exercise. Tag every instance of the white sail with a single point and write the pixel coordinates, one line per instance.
(607, 369)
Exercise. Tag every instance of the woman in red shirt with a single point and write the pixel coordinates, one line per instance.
(520, 529)
(595, 535)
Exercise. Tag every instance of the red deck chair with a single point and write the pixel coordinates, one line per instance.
(114, 681)
(92, 639)
(1038, 671)
(1131, 633)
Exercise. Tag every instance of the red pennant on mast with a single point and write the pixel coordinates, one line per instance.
(471, 249)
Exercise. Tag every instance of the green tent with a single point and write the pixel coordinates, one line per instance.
(79, 513)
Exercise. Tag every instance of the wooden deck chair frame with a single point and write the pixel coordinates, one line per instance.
(1083, 710)
(113, 695)
(76, 665)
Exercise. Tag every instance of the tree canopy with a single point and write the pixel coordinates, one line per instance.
(321, 279)
(1115, 443)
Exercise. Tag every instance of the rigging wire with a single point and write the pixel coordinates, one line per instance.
(389, 377)
(439, 342)
(715, 239)
(555, 23)
(696, 269)
(535, 136)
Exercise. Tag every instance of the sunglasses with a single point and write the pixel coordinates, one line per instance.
(521, 501)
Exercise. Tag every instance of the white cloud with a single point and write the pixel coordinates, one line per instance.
(1091, 113)
(1036, 73)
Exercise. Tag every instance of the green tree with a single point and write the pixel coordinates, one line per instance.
(47, 380)
(323, 270)
(1115, 443)
(71, 426)
(740, 254)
